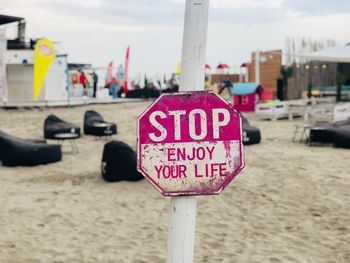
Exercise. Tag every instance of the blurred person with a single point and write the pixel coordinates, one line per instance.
(114, 88)
(82, 79)
(95, 80)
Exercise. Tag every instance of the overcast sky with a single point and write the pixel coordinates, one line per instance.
(98, 31)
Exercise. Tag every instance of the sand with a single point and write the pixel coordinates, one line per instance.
(291, 203)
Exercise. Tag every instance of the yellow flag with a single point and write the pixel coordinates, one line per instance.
(178, 67)
(45, 53)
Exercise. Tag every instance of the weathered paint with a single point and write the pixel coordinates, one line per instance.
(190, 144)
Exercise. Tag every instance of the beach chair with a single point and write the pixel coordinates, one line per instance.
(95, 125)
(341, 137)
(54, 125)
(251, 134)
(19, 152)
(119, 163)
(324, 133)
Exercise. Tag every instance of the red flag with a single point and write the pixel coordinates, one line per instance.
(126, 70)
(109, 73)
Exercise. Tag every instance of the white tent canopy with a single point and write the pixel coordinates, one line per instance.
(334, 54)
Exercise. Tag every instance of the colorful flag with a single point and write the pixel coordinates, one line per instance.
(109, 77)
(45, 54)
(178, 68)
(120, 72)
(126, 71)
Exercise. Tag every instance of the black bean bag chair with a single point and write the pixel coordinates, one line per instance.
(137, 93)
(119, 163)
(251, 134)
(322, 134)
(18, 152)
(92, 125)
(36, 140)
(150, 93)
(341, 137)
(28, 140)
(54, 125)
(173, 89)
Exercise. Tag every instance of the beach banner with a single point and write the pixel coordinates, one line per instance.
(45, 54)
(3, 47)
(126, 71)
(109, 77)
(120, 72)
(178, 68)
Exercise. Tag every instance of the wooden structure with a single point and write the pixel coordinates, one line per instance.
(316, 74)
(270, 69)
(219, 78)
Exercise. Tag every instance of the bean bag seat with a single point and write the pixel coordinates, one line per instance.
(18, 152)
(54, 125)
(36, 140)
(3, 134)
(171, 90)
(94, 124)
(322, 134)
(119, 163)
(251, 134)
(341, 137)
(151, 93)
(137, 93)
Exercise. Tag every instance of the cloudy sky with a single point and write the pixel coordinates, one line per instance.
(98, 31)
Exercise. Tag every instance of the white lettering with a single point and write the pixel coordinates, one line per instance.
(158, 126)
(177, 124)
(217, 123)
(203, 124)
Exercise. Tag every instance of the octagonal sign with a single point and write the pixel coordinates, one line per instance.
(190, 144)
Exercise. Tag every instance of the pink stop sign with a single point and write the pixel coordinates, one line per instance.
(190, 144)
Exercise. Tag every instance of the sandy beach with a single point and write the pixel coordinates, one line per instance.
(291, 203)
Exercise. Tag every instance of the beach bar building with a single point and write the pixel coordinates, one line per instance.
(18, 70)
(246, 96)
(268, 66)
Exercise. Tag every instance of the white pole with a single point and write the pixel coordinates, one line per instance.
(181, 232)
(182, 219)
(257, 66)
(194, 45)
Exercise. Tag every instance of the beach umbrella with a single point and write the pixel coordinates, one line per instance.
(222, 66)
(207, 66)
(245, 65)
